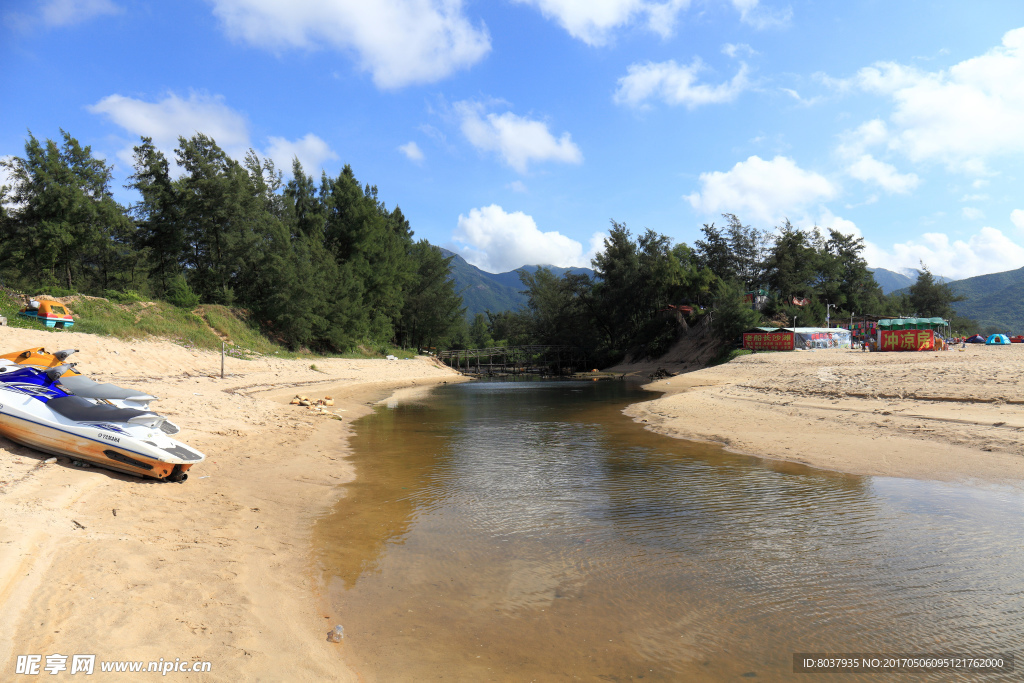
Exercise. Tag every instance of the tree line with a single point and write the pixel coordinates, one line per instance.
(325, 266)
(328, 265)
(626, 308)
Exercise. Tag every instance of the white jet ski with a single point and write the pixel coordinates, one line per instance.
(71, 415)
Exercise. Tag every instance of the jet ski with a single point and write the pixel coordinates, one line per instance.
(80, 385)
(39, 409)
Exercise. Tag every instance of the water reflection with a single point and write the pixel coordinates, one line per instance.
(530, 531)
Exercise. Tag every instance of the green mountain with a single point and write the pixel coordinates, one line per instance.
(892, 281)
(511, 278)
(995, 300)
(482, 291)
(479, 291)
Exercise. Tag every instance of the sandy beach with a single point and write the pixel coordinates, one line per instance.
(220, 568)
(216, 569)
(949, 415)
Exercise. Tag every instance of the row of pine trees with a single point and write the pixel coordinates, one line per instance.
(324, 266)
(328, 265)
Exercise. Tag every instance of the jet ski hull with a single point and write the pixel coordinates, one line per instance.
(58, 442)
(37, 412)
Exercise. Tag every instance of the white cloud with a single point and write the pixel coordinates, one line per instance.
(766, 191)
(972, 213)
(760, 17)
(865, 167)
(677, 84)
(5, 173)
(987, 251)
(7, 177)
(173, 117)
(807, 102)
(856, 142)
(67, 12)
(961, 117)
(518, 140)
(1017, 218)
(59, 13)
(496, 241)
(412, 151)
(870, 170)
(311, 151)
(517, 186)
(592, 21)
(975, 198)
(400, 42)
(731, 49)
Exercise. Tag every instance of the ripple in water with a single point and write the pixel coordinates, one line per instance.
(519, 531)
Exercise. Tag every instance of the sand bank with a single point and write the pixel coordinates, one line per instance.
(954, 415)
(216, 569)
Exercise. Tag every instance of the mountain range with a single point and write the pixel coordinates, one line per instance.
(891, 280)
(994, 300)
(482, 291)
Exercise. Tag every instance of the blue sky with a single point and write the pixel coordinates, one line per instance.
(511, 131)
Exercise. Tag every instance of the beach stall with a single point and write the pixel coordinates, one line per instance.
(862, 328)
(768, 339)
(911, 334)
(822, 338)
(934, 324)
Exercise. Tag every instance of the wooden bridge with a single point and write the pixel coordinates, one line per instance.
(536, 359)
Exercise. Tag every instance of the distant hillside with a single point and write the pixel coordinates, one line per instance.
(994, 300)
(479, 291)
(482, 291)
(892, 281)
(511, 278)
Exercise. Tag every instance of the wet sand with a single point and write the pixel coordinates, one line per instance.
(219, 568)
(948, 415)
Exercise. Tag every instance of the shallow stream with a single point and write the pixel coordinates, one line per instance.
(529, 531)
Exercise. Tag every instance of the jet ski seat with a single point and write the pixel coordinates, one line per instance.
(80, 410)
(80, 385)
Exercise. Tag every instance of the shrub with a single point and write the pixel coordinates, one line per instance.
(181, 295)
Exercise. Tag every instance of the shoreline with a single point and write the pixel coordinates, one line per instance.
(220, 568)
(942, 416)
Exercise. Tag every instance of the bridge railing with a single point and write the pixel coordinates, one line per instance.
(527, 349)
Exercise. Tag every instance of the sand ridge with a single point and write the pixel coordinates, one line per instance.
(216, 569)
(947, 415)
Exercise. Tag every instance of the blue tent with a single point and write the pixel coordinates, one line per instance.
(998, 339)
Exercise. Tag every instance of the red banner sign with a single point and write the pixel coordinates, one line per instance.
(906, 340)
(768, 341)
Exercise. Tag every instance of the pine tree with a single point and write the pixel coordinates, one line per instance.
(160, 232)
(63, 225)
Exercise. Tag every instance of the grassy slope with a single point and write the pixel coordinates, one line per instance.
(205, 327)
